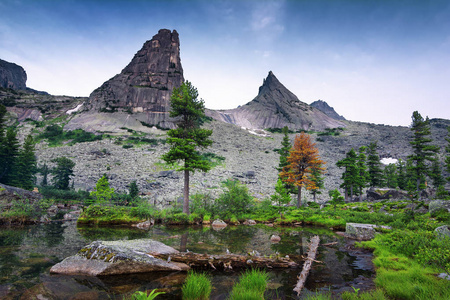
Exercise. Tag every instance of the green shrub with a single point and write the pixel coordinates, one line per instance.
(234, 201)
(197, 287)
(177, 219)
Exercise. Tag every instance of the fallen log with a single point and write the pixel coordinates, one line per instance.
(228, 261)
(312, 251)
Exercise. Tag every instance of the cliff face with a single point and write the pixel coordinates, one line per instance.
(326, 109)
(12, 76)
(145, 85)
(275, 107)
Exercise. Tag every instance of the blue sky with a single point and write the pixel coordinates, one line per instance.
(373, 61)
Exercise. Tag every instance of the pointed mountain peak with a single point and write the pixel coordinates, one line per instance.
(270, 82)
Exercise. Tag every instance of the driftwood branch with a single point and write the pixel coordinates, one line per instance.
(312, 251)
(228, 261)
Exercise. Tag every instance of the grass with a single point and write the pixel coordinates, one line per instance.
(252, 285)
(197, 286)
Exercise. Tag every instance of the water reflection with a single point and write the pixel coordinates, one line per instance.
(27, 253)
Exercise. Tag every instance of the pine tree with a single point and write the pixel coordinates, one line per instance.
(25, 166)
(351, 172)
(362, 169)
(402, 181)
(62, 172)
(281, 195)
(102, 192)
(436, 173)
(390, 175)
(318, 179)
(423, 151)
(44, 172)
(375, 172)
(133, 190)
(447, 150)
(10, 155)
(188, 136)
(284, 154)
(303, 158)
(3, 158)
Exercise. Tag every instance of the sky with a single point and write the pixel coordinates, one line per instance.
(373, 61)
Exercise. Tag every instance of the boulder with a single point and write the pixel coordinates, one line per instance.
(437, 205)
(443, 231)
(275, 238)
(382, 194)
(118, 257)
(362, 232)
(249, 222)
(218, 224)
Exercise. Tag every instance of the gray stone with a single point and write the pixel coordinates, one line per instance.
(145, 85)
(12, 76)
(437, 205)
(249, 222)
(118, 257)
(218, 224)
(362, 232)
(275, 238)
(443, 231)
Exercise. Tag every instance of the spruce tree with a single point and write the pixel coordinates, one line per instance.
(375, 172)
(102, 192)
(10, 155)
(188, 136)
(362, 170)
(423, 151)
(284, 154)
(25, 166)
(350, 176)
(133, 190)
(436, 173)
(318, 179)
(402, 180)
(447, 151)
(3, 157)
(390, 175)
(62, 172)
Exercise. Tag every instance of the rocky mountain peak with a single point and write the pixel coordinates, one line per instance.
(12, 76)
(146, 83)
(275, 107)
(328, 110)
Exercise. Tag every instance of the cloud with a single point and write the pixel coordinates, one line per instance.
(267, 17)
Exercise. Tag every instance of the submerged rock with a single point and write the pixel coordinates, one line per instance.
(218, 224)
(118, 257)
(362, 232)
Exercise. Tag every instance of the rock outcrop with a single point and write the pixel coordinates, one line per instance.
(362, 232)
(275, 107)
(118, 257)
(145, 85)
(326, 109)
(12, 76)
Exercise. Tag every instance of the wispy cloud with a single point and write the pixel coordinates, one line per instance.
(267, 16)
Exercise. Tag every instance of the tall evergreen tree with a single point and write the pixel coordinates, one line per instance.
(188, 136)
(423, 151)
(10, 152)
(362, 170)
(436, 173)
(447, 151)
(318, 179)
(350, 176)
(3, 158)
(375, 172)
(25, 166)
(44, 172)
(402, 181)
(62, 173)
(284, 154)
(390, 175)
(303, 158)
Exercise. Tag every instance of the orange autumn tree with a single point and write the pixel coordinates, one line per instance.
(303, 159)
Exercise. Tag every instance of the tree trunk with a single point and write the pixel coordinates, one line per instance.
(186, 192)
(314, 196)
(312, 252)
(299, 197)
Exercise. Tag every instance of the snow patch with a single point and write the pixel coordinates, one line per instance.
(74, 110)
(388, 160)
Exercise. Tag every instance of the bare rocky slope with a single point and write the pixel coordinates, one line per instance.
(326, 109)
(250, 158)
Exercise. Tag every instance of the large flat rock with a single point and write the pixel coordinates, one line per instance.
(118, 257)
(362, 232)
